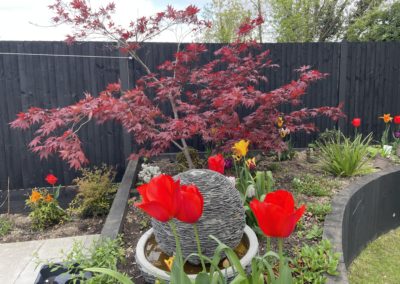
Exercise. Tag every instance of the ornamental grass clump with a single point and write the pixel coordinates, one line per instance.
(342, 156)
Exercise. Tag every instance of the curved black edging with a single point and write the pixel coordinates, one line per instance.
(113, 224)
(366, 209)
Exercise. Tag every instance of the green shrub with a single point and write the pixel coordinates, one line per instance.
(45, 210)
(102, 254)
(313, 185)
(95, 192)
(5, 226)
(319, 210)
(311, 263)
(342, 156)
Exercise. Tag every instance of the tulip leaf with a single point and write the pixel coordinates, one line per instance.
(202, 278)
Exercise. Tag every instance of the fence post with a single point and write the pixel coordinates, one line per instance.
(342, 79)
(125, 85)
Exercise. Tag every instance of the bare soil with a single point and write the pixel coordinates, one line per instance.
(22, 231)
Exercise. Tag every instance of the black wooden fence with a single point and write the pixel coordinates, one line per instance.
(365, 76)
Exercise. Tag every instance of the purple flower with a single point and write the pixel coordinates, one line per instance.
(228, 163)
(396, 134)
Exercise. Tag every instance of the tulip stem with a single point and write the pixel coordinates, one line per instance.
(177, 242)
(280, 248)
(268, 248)
(196, 234)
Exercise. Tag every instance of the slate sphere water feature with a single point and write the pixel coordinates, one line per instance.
(223, 216)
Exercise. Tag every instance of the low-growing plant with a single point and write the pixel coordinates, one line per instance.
(312, 263)
(95, 192)
(104, 253)
(5, 226)
(342, 156)
(319, 210)
(45, 210)
(312, 185)
(314, 233)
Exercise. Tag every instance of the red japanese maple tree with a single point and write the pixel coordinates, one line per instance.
(205, 99)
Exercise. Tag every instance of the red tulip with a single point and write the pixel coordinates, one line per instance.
(160, 197)
(51, 179)
(276, 215)
(216, 163)
(190, 205)
(396, 119)
(356, 122)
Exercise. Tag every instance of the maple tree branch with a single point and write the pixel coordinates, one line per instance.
(80, 126)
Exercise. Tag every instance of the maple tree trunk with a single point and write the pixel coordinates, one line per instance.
(185, 150)
(184, 147)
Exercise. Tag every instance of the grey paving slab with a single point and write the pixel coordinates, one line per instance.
(18, 261)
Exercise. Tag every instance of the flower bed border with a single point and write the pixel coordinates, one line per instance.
(115, 218)
(361, 212)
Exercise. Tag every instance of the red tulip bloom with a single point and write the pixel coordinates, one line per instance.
(160, 197)
(190, 205)
(217, 163)
(276, 215)
(396, 119)
(356, 122)
(51, 179)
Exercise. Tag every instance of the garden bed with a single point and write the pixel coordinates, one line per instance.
(85, 215)
(21, 229)
(308, 182)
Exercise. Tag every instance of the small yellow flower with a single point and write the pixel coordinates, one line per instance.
(279, 122)
(283, 132)
(48, 198)
(35, 196)
(251, 163)
(169, 262)
(241, 148)
(386, 118)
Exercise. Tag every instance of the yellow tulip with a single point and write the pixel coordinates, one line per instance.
(169, 262)
(283, 132)
(241, 148)
(386, 118)
(279, 122)
(251, 163)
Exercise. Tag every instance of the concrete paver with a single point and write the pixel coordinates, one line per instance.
(18, 261)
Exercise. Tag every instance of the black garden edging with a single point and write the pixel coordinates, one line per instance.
(113, 224)
(366, 209)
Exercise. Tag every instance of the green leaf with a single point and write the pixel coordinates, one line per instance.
(202, 278)
(115, 274)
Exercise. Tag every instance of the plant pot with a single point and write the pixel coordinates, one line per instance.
(60, 275)
(150, 272)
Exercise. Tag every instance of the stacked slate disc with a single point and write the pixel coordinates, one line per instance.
(223, 216)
